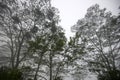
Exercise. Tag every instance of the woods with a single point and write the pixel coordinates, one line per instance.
(33, 45)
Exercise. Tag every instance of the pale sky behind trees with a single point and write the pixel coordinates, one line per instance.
(72, 10)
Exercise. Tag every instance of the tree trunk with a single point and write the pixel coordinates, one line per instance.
(37, 70)
(50, 65)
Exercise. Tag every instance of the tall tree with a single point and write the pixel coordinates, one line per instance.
(100, 29)
(16, 29)
(48, 41)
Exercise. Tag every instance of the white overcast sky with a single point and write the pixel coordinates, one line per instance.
(72, 10)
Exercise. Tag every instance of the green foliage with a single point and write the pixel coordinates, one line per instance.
(38, 44)
(110, 75)
(16, 19)
(34, 29)
(58, 78)
(60, 43)
(7, 73)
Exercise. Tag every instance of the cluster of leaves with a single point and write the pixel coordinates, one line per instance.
(110, 75)
(7, 73)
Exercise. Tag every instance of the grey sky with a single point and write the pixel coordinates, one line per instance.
(72, 10)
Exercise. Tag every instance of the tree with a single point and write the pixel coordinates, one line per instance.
(77, 52)
(100, 29)
(16, 27)
(31, 29)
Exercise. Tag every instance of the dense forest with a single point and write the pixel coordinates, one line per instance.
(33, 45)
